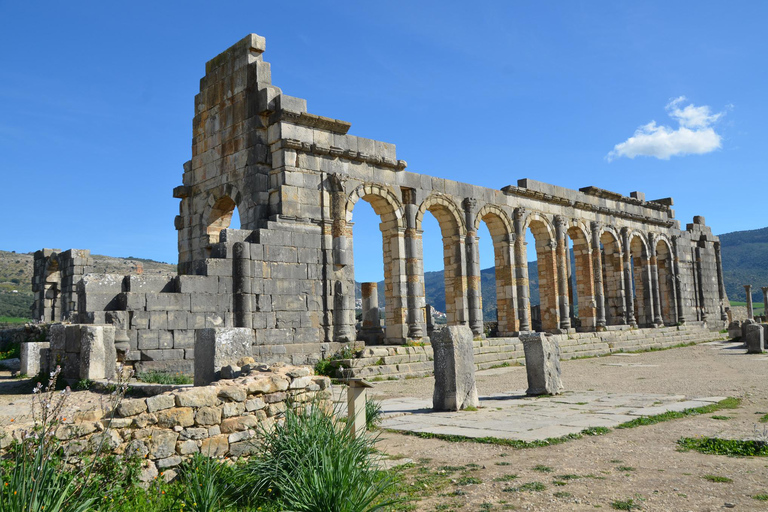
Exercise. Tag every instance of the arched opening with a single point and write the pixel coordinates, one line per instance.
(497, 280)
(392, 256)
(220, 218)
(52, 289)
(546, 317)
(641, 281)
(667, 298)
(613, 275)
(452, 232)
(581, 283)
(369, 270)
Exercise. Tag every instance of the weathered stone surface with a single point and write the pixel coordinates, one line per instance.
(144, 419)
(177, 416)
(455, 386)
(168, 462)
(216, 446)
(219, 347)
(237, 424)
(34, 357)
(230, 409)
(234, 393)
(542, 363)
(162, 443)
(197, 397)
(254, 404)
(208, 416)
(194, 433)
(187, 447)
(754, 338)
(136, 449)
(160, 402)
(131, 407)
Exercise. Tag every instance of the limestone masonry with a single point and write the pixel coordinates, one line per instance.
(288, 274)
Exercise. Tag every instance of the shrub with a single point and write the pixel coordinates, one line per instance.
(372, 413)
(206, 484)
(312, 462)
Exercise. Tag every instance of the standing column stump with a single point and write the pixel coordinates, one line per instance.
(455, 386)
(542, 363)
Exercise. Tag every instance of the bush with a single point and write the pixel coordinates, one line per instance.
(312, 462)
(372, 413)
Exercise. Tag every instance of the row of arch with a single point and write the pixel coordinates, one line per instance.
(621, 276)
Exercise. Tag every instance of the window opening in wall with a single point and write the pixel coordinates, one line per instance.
(368, 265)
(434, 269)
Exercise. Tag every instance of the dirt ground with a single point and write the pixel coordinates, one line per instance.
(642, 464)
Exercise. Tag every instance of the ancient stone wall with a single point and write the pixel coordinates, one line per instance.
(220, 420)
(295, 179)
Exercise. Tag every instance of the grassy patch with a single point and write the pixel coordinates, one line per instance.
(503, 463)
(562, 494)
(542, 468)
(722, 418)
(505, 478)
(568, 477)
(764, 418)
(625, 505)
(760, 497)
(13, 320)
(730, 447)
(718, 479)
(513, 443)
(469, 480)
(14, 351)
(728, 403)
(529, 487)
(155, 377)
(625, 468)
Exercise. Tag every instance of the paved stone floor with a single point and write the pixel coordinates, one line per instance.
(512, 415)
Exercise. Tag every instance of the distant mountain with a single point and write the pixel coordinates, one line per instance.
(745, 261)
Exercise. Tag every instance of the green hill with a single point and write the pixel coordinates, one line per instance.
(745, 261)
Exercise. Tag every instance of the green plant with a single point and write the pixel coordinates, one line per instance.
(561, 494)
(625, 504)
(372, 413)
(468, 480)
(730, 447)
(310, 462)
(625, 468)
(717, 478)
(530, 486)
(505, 478)
(718, 417)
(14, 351)
(728, 403)
(542, 468)
(84, 384)
(764, 418)
(205, 483)
(760, 497)
(157, 377)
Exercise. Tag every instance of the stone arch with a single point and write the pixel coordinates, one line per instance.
(543, 233)
(639, 256)
(583, 272)
(389, 209)
(501, 230)
(453, 230)
(613, 276)
(52, 289)
(665, 269)
(222, 202)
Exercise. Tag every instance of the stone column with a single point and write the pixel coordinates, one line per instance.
(474, 296)
(414, 271)
(765, 302)
(628, 285)
(371, 330)
(241, 284)
(521, 272)
(700, 287)
(430, 321)
(721, 283)
(750, 313)
(655, 291)
(561, 252)
(597, 266)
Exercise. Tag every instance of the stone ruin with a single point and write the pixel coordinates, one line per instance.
(287, 274)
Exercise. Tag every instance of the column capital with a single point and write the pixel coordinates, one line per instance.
(560, 221)
(520, 213)
(469, 203)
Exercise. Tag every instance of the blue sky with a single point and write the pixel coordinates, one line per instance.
(96, 104)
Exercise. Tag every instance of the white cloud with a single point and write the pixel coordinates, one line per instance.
(694, 136)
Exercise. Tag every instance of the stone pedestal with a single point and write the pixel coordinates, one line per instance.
(542, 363)
(34, 357)
(455, 386)
(356, 405)
(217, 347)
(371, 331)
(97, 352)
(754, 338)
(734, 330)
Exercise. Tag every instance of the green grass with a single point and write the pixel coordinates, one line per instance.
(723, 418)
(561, 494)
(728, 403)
(530, 487)
(625, 468)
(625, 505)
(156, 377)
(14, 351)
(718, 479)
(764, 418)
(505, 478)
(760, 497)
(729, 447)
(513, 443)
(543, 469)
(13, 320)
(468, 480)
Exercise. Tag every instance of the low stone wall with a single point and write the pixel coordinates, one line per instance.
(219, 420)
(23, 334)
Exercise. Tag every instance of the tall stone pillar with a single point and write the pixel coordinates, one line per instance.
(430, 321)
(765, 302)
(561, 253)
(474, 294)
(597, 266)
(241, 284)
(414, 270)
(628, 285)
(371, 331)
(721, 283)
(521, 272)
(750, 313)
(655, 291)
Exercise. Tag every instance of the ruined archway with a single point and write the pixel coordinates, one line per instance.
(665, 268)
(453, 232)
(546, 260)
(501, 230)
(613, 280)
(52, 290)
(641, 280)
(581, 280)
(390, 212)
